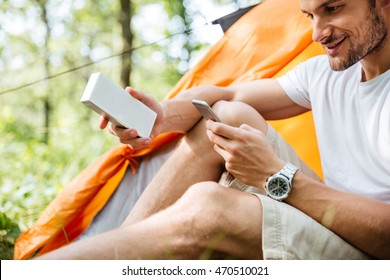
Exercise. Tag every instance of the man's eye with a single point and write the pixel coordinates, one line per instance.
(309, 15)
(332, 9)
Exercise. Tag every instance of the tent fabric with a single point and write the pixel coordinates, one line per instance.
(266, 42)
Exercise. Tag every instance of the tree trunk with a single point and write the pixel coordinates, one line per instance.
(46, 54)
(125, 15)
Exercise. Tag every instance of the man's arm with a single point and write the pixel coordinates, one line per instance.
(179, 115)
(268, 98)
(265, 95)
(361, 221)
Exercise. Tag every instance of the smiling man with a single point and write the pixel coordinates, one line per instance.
(286, 211)
(347, 32)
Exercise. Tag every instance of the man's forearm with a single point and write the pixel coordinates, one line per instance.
(265, 95)
(361, 221)
(179, 113)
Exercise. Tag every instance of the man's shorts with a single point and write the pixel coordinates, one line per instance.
(287, 232)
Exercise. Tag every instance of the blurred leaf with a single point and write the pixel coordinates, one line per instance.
(9, 232)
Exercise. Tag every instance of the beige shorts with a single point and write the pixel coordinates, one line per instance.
(287, 232)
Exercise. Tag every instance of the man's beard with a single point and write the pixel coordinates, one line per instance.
(370, 42)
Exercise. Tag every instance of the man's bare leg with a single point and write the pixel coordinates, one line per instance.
(207, 219)
(194, 160)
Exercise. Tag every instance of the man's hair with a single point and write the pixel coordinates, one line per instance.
(372, 3)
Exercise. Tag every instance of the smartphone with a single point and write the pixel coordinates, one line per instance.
(205, 110)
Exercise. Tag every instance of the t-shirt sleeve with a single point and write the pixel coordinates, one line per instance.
(296, 84)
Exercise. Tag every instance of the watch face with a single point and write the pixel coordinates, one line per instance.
(278, 188)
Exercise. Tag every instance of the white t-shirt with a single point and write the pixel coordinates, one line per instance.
(352, 120)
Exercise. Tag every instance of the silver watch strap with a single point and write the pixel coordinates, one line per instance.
(289, 170)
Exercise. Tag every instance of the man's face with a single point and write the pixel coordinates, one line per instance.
(349, 30)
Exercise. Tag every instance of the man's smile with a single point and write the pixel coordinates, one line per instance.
(333, 47)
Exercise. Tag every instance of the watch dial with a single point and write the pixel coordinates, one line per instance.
(278, 187)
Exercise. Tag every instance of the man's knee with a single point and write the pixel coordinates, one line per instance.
(202, 205)
(212, 220)
(202, 209)
(238, 113)
(194, 218)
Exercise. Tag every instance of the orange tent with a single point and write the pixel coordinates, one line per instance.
(267, 41)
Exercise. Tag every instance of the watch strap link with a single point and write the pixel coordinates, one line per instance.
(289, 171)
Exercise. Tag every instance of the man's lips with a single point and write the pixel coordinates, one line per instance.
(333, 47)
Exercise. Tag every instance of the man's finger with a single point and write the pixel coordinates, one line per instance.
(137, 143)
(103, 122)
(137, 94)
(222, 129)
(222, 152)
(124, 133)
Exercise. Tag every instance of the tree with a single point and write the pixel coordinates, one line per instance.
(46, 54)
(125, 16)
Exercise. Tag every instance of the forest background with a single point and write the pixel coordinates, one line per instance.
(48, 50)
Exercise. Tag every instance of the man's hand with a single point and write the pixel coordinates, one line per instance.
(246, 151)
(130, 135)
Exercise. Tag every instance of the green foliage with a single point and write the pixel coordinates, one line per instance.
(32, 172)
(9, 232)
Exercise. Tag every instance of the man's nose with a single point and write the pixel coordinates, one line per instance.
(321, 30)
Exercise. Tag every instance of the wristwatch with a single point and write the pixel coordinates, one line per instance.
(279, 185)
